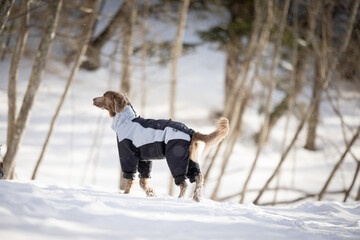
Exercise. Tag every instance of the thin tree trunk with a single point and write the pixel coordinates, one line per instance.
(82, 51)
(127, 45)
(294, 79)
(175, 55)
(272, 84)
(284, 106)
(337, 165)
(5, 7)
(238, 96)
(33, 86)
(284, 154)
(14, 68)
(240, 93)
(314, 118)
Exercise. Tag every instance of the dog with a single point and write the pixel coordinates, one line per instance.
(141, 140)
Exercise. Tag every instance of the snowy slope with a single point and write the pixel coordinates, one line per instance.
(36, 211)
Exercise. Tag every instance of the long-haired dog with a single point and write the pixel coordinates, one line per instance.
(141, 140)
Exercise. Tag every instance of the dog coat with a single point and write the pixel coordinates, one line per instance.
(140, 140)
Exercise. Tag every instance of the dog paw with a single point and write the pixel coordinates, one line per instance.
(150, 193)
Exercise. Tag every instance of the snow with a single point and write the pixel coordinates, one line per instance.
(37, 211)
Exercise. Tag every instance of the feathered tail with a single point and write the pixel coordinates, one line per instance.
(215, 137)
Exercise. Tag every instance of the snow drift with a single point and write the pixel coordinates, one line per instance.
(36, 211)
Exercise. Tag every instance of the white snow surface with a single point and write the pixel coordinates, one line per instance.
(37, 211)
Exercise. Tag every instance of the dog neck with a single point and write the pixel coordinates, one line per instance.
(127, 114)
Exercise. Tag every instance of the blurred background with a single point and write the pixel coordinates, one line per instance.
(284, 72)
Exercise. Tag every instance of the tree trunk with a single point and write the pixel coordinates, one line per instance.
(85, 41)
(286, 152)
(33, 85)
(176, 53)
(338, 164)
(127, 44)
(272, 84)
(5, 7)
(314, 117)
(14, 68)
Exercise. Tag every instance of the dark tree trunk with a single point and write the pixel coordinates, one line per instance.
(314, 117)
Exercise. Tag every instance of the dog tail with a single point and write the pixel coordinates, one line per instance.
(210, 140)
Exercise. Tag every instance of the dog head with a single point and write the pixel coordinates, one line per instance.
(111, 101)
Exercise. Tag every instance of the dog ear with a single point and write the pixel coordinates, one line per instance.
(120, 102)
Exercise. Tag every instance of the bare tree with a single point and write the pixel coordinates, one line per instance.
(271, 87)
(176, 53)
(240, 93)
(14, 68)
(286, 152)
(327, 54)
(87, 33)
(338, 164)
(33, 85)
(127, 44)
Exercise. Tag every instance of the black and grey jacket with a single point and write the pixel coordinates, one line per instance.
(141, 140)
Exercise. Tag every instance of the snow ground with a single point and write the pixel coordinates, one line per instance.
(37, 211)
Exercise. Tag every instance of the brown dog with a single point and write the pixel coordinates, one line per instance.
(141, 140)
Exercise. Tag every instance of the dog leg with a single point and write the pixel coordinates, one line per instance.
(129, 183)
(198, 188)
(183, 187)
(148, 190)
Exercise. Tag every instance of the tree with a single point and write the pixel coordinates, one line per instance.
(127, 44)
(14, 68)
(176, 52)
(87, 33)
(93, 52)
(33, 85)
